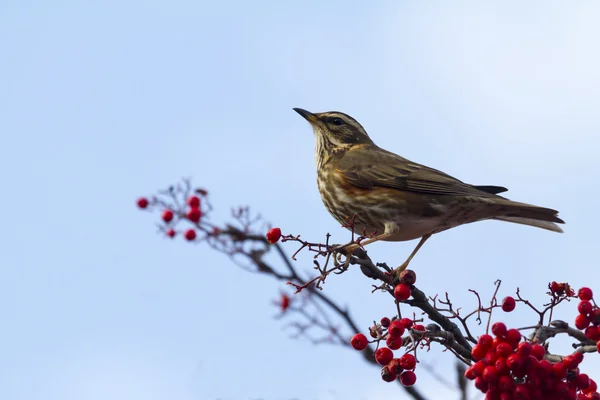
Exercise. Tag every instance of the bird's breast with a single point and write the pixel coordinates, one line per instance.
(344, 201)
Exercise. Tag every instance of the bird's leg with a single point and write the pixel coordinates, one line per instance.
(405, 263)
(389, 230)
(352, 247)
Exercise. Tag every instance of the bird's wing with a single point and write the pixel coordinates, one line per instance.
(366, 167)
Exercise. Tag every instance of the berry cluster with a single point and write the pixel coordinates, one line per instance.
(193, 214)
(401, 368)
(589, 315)
(507, 368)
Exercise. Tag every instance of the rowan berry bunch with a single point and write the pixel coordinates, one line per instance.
(174, 211)
(508, 366)
(504, 365)
(391, 331)
(185, 211)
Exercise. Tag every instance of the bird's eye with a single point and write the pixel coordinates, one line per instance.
(337, 121)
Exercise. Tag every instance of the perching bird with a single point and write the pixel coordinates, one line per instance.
(399, 199)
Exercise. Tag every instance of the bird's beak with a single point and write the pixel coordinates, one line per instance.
(310, 117)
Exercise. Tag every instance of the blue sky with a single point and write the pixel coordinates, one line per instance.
(104, 101)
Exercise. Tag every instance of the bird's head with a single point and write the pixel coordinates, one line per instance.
(334, 131)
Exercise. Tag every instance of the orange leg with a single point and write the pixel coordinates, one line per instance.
(405, 263)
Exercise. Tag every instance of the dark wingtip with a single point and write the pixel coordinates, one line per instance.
(491, 189)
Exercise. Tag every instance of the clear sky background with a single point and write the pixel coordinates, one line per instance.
(103, 101)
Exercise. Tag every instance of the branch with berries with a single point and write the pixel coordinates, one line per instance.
(503, 362)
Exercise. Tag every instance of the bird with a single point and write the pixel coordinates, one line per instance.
(390, 198)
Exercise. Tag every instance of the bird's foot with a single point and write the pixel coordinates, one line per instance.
(397, 271)
(347, 250)
(350, 249)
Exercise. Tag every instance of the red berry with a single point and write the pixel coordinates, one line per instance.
(385, 322)
(570, 362)
(481, 384)
(559, 371)
(497, 342)
(582, 321)
(470, 373)
(388, 375)
(408, 378)
(273, 235)
(544, 368)
(583, 381)
(592, 388)
(578, 357)
(393, 342)
(584, 307)
(524, 349)
(522, 392)
(513, 336)
(142, 202)
(396, 328)
(383, 356)
(193, 201)
(499, 329)
(506, 383)
(478, 352)
(570, 395)
(402, 292)
(501, 366)
(538, 351)
(418, 327)
(485, 341)
(408, 361)
(490, 357)
(531, 366)
(508, 304)
(592, 333)
(167, 215)
(359, 341)
(478, 368)
(504, 350)
(595, 317)
(190, 234)
(515, 362)
(585, 293)
(560, 388)
(194, 215)
(407, 276)
(490, 374)
(171, 233)
(284, 303)
(407, 322)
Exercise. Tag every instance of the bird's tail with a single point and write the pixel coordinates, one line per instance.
(551, 226)
(526, 214)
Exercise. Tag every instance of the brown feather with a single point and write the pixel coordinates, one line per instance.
(368, 165)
